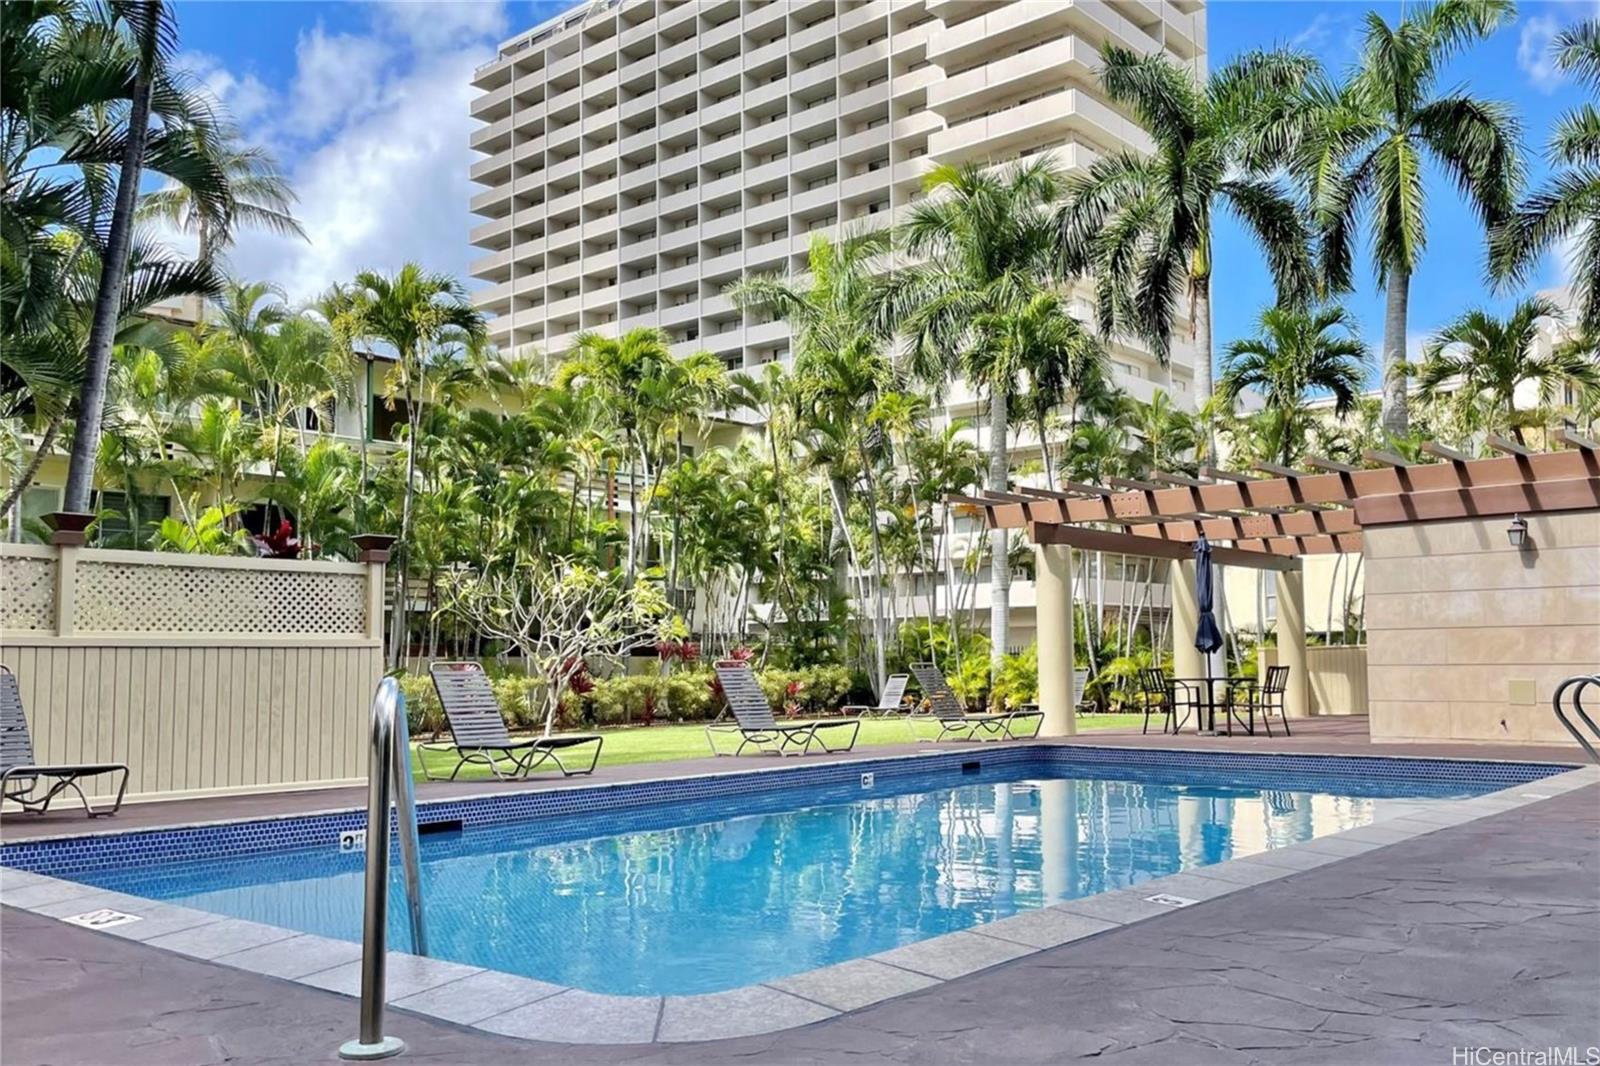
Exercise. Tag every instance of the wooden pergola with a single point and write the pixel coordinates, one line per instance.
(1268, 518)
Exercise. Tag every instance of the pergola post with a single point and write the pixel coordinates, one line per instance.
(1186, 659)
(1053, 613)
(1291, 630)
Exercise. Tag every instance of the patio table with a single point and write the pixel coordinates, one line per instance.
(1208, 715)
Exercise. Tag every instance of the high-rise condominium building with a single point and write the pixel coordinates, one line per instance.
(640, 155)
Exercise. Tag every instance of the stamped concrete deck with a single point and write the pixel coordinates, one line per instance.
(1486, 934)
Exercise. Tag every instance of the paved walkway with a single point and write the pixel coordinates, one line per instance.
(1345, 735)
(1483, 935)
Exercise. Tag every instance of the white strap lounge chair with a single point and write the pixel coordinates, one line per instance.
(894, 691)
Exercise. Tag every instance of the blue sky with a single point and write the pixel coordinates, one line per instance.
(366, 106)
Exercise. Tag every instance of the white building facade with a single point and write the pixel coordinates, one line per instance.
(639, 156)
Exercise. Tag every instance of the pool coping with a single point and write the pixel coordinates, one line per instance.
(516, 1006)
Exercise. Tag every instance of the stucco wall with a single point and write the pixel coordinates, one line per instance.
(1467, 638)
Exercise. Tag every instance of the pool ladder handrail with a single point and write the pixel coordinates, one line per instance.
(1577, 684)
(388, 768)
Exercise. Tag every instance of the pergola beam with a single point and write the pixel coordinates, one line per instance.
(1302, 512)
(1153, 547)
(1486, 501)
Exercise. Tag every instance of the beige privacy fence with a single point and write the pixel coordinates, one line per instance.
(202, 673)
(1338, 674)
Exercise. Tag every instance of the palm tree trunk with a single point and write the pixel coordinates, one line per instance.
(25, 478)
(999, 539)
(879, 661)
(108, 302)
(633, 510)
(1396, 418)
(397, 617)
(1202, 361)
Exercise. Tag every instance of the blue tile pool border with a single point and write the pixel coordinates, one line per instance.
(75, 856)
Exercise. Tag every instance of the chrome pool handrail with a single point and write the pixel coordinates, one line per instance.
(1577, 683)
(389, 764)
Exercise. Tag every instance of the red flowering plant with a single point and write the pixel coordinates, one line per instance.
(792, 693)
(280, 543)
(679, 651)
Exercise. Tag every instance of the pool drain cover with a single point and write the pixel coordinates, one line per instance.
(102, 919)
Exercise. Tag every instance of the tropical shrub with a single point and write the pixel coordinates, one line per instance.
(424, 715)
(1018, 680)
(811, 690)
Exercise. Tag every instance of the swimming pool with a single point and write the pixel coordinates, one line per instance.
(714, 883)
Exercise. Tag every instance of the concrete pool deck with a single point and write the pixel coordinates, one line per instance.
(1480, 935)
(519, 1007)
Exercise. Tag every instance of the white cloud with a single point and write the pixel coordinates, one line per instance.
(373, 131)
(1533, 52)
(338, 77)
(436, 25)
(1316, 33)
(245, 96)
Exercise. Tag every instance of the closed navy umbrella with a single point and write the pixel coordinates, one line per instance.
(1207, 637)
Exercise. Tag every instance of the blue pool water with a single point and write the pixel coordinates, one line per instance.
(699, 897)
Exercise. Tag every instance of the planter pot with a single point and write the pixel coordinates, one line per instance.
(372, 547)
(69, 528)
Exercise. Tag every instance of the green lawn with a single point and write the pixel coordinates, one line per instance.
(668, 742)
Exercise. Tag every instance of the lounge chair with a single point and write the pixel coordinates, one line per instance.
(31, 786)
(953, 717)
(755, 726)
(478, 734)
(894, 691)
(1080, 680)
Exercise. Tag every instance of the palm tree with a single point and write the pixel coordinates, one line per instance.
(1167, 436)
(1362, 149)
(1297, 352)
(839, 368)
(1472, 368)
(1566, 208)
(982, 249)
(1063, 360)
(144, 38)
(1141, 223)
(259, 197)
(425, 319)
(623, 374)
(44, 366)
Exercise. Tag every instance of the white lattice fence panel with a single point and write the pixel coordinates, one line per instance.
(27, 594)
(118, 597)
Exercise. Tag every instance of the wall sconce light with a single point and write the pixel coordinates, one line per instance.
(1517, 532)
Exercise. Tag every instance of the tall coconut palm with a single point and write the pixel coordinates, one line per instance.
(260, 197)
(144, 38)
(426, 319)
(981, 244)
(1297, 353)
(1362, 149)
(1472, 369)
(1567, 207)
(1140, 223)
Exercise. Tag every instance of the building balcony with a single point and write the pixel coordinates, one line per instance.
(1067, 58)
